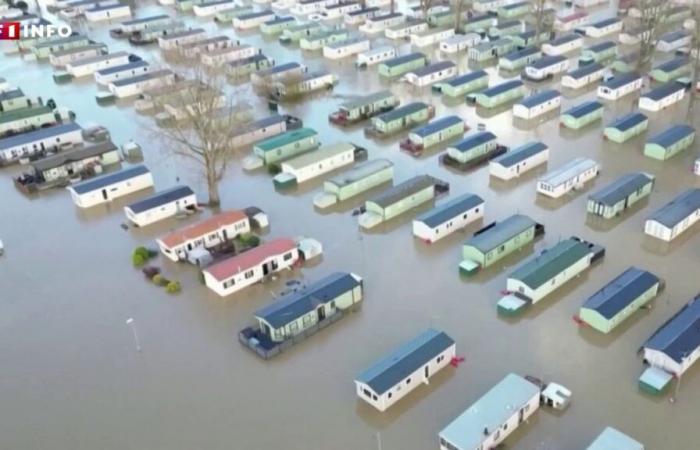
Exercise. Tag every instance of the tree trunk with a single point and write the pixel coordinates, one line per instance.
(213, 188)
(392, 6)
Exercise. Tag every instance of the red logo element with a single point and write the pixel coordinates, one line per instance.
(9, 31)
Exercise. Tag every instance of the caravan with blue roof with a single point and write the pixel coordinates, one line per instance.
(676, 217)
(626, 127)
(45, 140)
(603, 27)
(434, 133)
(669, 142)
(519, 58)
(161, 205)
(620, 195)
(568, 177)
(471, 151)
(562, 45)
(448, 217)
(519, 160)
(673, 40)
(583, 76)
(129, 70)
(433, 73)
(405, 369)
(537, 104)
(582, 114)
(105, 188)
(620, 85)
(546, 67)
(662, 96)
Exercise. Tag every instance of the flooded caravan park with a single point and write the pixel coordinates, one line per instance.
(71, 378)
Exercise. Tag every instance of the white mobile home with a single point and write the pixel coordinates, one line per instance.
(484, 6)
(537, 104)
(310, 165)
(562, 45)
(252, 20)
(346, 48)
(431, 36)
(675, 217)
(380, 23)
(129, 70)
(107, 12)
(63, 57)
(603, 27)
(406, 29)
(459, 43)
(583, 76)
(448, 217)
(587, 3)
(405, 369)
(175, 40)
(306, 7)
(619, 86)
(192, 49)
(142, 23)
(546, 67)
(41, 141)
(130, 87)
(161, 205)
(375, 56)
(674, 40)
(263, 129)
(337, 11)
(568, 177)
(519, 160)
(432, 73)
(88, 66)
(209, 8)
(359, 16)
(105, 188)
(571, 21)
(492, 418)
(220, 56)
(662, 96)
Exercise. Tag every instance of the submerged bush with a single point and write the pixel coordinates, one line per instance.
(138, 260)
(157, 279)
(173, 287)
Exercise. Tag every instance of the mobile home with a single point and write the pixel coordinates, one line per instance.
(192, 49)
(529, 38)
(669, 142)
(13, 99)
(63, 57)
(380, 23)
(496, 241)
(359, 16)
(205, 234)
(401, 65)
(296, 32)
(582, 114)
(161, 205)
(570, 21)
(346, 48)
(105, 188)
(506, 28)
(286, 145)
(619, 299)
(459, 43)
(364, 108)
(448, 217)
(546, 67)
(603, 27)
(88, 66)
(485, 6)
(431, 36)
(670, 70)
(308, 83)
(430, 74)
(252, 20)
(619, 86)
(499, 94)
(463, 84)
(674, 40)
(478, 23)
(151, 35)
(246, 66)
(696, 167)
(128, 27)
(107, 12)
(405, 369)
(490, 49)
(406, 29)
(442, 18)
(626, 127)
(39, 142)
(128, 70)
(597, 53)
(474, 149)
(280, 72)
(306, 7)
(24, 119)
(255, 265)
(263, 129)
(339, 10)
(492, 418)
(517, 9)
(210, 8)
(662, 96)
(621, 194)
(175, 40)
(538, 104)
(436, 132)
(570, 176)
(317, 41)
(612, 438)
(401, 118)
(675, 217)
(375, 56)
(45, 49)
(562, 45)
(519, 160)
(220, 56)
(634, 35)
(587, 3)
(310, 165)
(355, 181)
(129, 87)
(518, 59)
(583, 76)
(277, 25)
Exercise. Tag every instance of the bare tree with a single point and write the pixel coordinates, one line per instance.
(425, 6)
(651, 25)
(461, 6)
(543, 21)
(202, 117)
(695, 61)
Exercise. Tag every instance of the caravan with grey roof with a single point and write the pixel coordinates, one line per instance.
(105, 188)
(676, 217)
(161, 205)
(448, 217)
(572, 175)
(40, 142)
(519, 160)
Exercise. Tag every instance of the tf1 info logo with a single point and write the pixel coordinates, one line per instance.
(12, 31)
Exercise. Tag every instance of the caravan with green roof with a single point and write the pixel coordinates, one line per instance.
(361, 178)
(402, 118)
(401, 65)
(620, 195)
(286, 145)
(461, 85)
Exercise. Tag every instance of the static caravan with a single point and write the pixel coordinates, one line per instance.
(546, 67)
(431, 36)
(292, 70)
(496, 241)
(247, 66)
(485, 6)
(220, 56)
(130, 87)
(346, 48)
(478, 24)
(129, 70)
(538, 104)
(380, 23)
(314, 164)
(45, 49)
(474, 149)
(401, 118)
(519, 160)
(675, 346)
(161, 205)
(359, 16)
(619, 86)
(676, 14)
(545, 273)
(296, 32)
(570, 21)
(459, 43)
(151, 35)
(129, 27)
(529, 38)
(400, 199)
(433, 73)
(252, 20)
(406, 29)
(184, 5)
(250, 267)
(401, 65)
(286, 145)
(306, 7)
(603, 27)
(633, 36)
(177, 39)
(662, 96)
(670, 70)
(308, 83)
(619, 299)
(63, 57)
(405, 369)
(674, 40)
(105, 188)
(442, 18)
(210, 8)
(448, 217)
(612, 438)
(319, 40)
(621, 194)
(572, 175)
(339, 10)
(669, 142)
(355, 181)
(463, 84)
(562, 45)
(13, 99)
(499, 94)
(263, 129)
(88, 66)
(39, 142)
(205, 234)
(277, 25)
(582, 114)
(192, 49)
(107, 12)
(597, 53)
(490, 49)
(492, 418)
(626, 63)
(364, 108)
(587, 3)
(436, 132)
(626, 127)
(375, 56)
(516, 9)
(506, 28)
(24, 119)
(675, 217)
(583, 76)
(518, 59)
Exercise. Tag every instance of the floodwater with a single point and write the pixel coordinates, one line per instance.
(71, 378)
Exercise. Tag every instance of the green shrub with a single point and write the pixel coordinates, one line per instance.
(157, 279)
(138, 260)
(143, 251)
(250, 240)
(173, 287)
